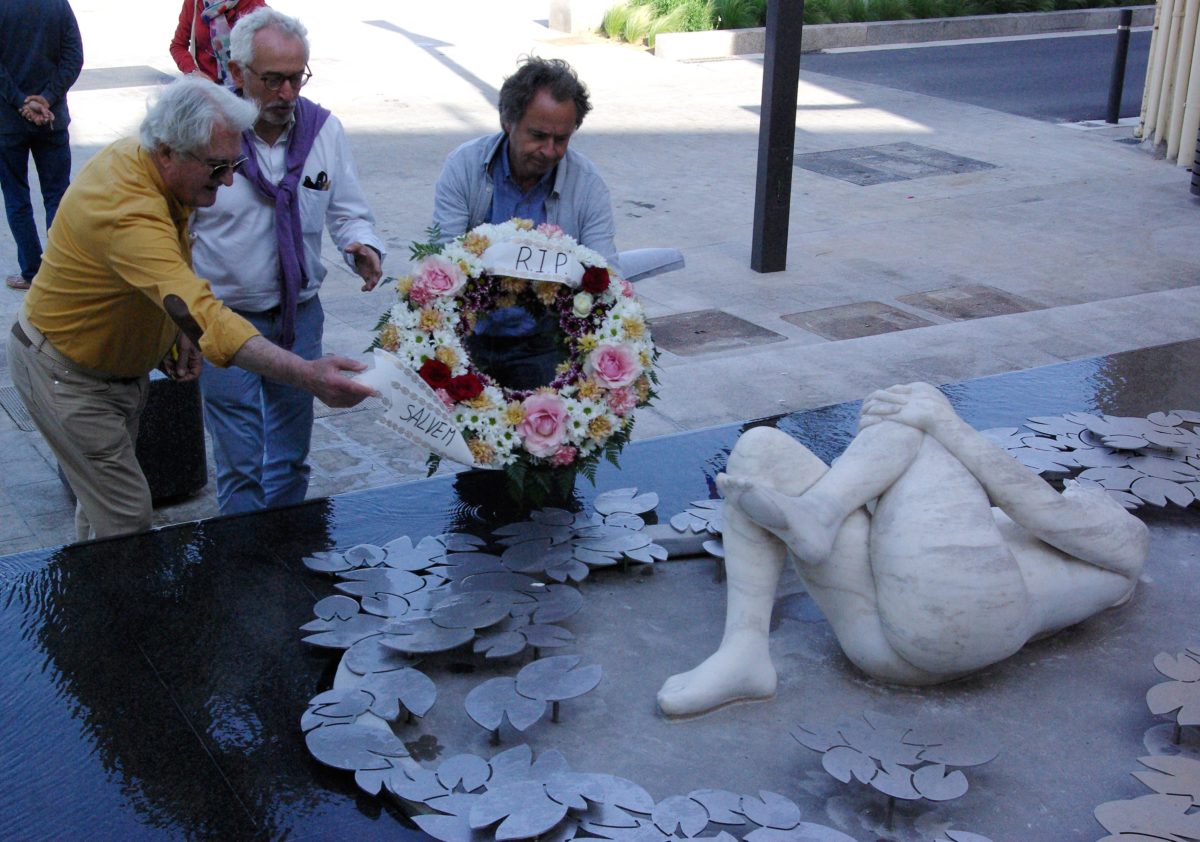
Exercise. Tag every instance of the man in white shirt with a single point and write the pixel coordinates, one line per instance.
(259, 246)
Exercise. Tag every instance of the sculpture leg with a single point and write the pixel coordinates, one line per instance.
(741, 667)
(809, 523)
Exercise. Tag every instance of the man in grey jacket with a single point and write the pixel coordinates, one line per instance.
(527, 170)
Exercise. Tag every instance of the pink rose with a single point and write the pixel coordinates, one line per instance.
(613, 366)
(445, 398)
(549, 229)
(565, 455)
(620, 401)
(545, 423)
(626, 288)
(436, 276)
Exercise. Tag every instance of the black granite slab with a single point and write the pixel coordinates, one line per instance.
(153, 685)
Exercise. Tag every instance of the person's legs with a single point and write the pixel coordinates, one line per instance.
(52, 157)
(234, 417)
(14, 182)
(288, 418)
(91, 427)
(809, 523)
(741, 667)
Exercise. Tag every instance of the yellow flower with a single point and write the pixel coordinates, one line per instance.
(430, 320)
(562, 368)
(465, 266)
(645, 358)
(480, 401)
(599, 428)
(470, 317)
(404, 285)
(642, 386)
(481, 451)
(446, 355)
(523, 224)
(476, 243)
(634, 327)
(590, 389)
(513, 414)
(588, 342)
(546, 292)
(513, 285)
(389, 338)
(506, 301)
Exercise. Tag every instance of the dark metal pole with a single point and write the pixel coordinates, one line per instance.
(1117, 83)
(777, 135)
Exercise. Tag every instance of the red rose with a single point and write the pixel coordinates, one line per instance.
(436, 373)
(595, 280)
(464, 387)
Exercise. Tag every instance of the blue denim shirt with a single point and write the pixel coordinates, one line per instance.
(509, 200)
(578, 202)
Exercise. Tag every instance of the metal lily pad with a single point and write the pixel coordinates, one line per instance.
(1172, 775)
(1183, 693)
(900, 759)
(524, 807)
(389, 690)
(1152, 460)
(700, 516)
(340, 706)
(556, 679)
(413, 636)
(338, 633)
(625, 500)
(678, 812)
(354, 746)
(496, 699)
(1151, 816)
(770, 809)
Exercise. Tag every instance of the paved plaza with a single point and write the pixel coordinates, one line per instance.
(930, 239)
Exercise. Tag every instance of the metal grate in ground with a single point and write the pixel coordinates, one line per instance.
(11, 401)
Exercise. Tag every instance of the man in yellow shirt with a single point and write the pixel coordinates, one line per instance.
(116, 296)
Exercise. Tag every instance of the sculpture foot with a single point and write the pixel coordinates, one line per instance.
(731, 674)
(792, 519)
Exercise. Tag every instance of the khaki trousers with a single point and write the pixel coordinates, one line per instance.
(91, 426)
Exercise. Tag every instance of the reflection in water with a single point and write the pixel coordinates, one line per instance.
(524, 355)
(161, 675)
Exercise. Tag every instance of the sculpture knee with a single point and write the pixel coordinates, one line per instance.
(775, 459)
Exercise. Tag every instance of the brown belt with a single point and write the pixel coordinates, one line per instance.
(31, 337)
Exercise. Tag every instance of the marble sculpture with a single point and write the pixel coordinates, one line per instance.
(931, 552)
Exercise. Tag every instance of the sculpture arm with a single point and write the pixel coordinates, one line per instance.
(1007, 482)
(1086, 524)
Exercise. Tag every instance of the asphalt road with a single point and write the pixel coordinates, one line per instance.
(1061, 79)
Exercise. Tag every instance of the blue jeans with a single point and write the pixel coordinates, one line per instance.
(261, 429)
(52, 157)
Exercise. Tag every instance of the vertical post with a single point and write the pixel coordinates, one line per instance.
(777, 135)
(1116, 84)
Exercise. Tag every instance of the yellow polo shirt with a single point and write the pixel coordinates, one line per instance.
(119, 245)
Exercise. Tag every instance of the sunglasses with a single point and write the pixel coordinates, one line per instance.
(217, 169)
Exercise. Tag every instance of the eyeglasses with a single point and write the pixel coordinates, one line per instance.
(274, 81)
(217, 169)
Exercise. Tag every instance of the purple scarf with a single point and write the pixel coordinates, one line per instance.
(293, 277)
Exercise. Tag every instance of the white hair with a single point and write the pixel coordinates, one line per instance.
(183, 115)
(241, 40)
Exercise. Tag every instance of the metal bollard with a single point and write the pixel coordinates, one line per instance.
(1117, 83)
